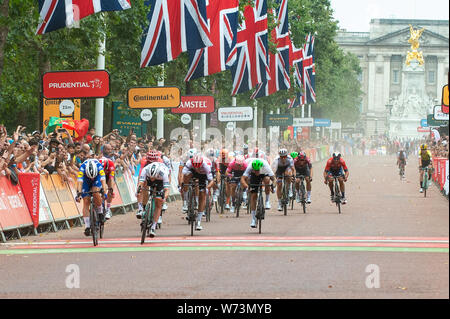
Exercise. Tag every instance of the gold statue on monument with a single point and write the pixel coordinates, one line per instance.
(414, 41)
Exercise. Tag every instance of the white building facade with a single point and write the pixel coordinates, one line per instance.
(396, 96)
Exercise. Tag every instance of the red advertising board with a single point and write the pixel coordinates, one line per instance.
(13, 208)
(30, 184)
(75, 84)
(195, 104)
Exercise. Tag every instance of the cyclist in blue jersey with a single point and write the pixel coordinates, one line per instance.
(91, 177)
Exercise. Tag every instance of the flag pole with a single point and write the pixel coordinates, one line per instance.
(160, 112)
(99, 102)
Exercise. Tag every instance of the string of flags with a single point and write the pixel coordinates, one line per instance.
(215, 41)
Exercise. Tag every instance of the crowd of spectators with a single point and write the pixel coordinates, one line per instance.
(59, 153)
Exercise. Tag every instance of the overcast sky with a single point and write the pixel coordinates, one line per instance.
(355, 15)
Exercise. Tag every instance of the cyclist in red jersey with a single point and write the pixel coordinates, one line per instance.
(336, 167)
(109, 169)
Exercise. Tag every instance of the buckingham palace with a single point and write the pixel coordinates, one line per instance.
(399, 93)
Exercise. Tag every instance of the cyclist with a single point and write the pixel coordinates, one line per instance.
(257, 172)
(245, 151)
(197, 167)
(425, 160)
(303, 166)
(210, 155)
(336, 167)
(110, 170)
(234, 172)
(401, 159)
(190, 154)
(156, 174)
(222, 163)
(283, 165)
(91, 177)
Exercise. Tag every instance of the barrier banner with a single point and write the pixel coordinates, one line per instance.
(29, 182)
(132, 188)
(442, 175)
(117, 200)
(13, 208)
(73, 190)
(435, 173)
(45, 215)
(52, 198)
(65, 198)
(446, 177)
(122, 186)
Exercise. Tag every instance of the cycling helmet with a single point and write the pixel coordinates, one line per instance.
(210, 152)
(336, 155)
(423, 146)
(294, 154)
(197, 161)
(245, 147)
(152, 156)
(283, 152)
(105, 163)
(154, 170)
(91, 170)
(302, 155)
(192, 152)
(257, 165)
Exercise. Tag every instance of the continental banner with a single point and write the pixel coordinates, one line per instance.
(122, 186)
(29, 182)
(131, 186)
(45, 214)
(65, 197)
(13, 208)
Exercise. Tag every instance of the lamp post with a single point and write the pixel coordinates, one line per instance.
(388, 116)
(376, 127)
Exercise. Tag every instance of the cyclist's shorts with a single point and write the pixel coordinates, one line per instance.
(305, 171)
(159, 186)
(236, 177)
(425, 163)
(336, 173)
(256, 180)
(280, 171)
(201, 179)
(402, 161)
(88, 184)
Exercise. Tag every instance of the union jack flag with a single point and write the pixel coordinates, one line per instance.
(57, 14)
(295, 101)
(222, 25)
(307, 68)
(249, 58)
(175, 27)
(279, 62)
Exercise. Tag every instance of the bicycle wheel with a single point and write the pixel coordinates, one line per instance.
(222, 198)
(302, 196)
(146, 221)
(293, 197)
(261, 211)
(238, 195)
(208, 207)
(425, 183)
(337, 195)
(102, 221)
(285, 197)
(93, 218)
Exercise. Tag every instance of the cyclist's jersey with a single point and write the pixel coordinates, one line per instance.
(426, 156)
(280, 163)
(82, 172)
(402, 156)
(265, 170)
(110, 172)
(333, 166)
(222, 166)
(301, 165)
(205, 169)
(162, 176)
(236, 170)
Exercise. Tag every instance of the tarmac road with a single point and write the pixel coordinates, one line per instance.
(389, 242)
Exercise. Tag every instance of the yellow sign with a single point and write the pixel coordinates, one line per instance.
(154, 97)
(445, 95)
(51, 108)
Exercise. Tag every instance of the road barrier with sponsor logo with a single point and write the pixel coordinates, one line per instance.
(441, 174)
